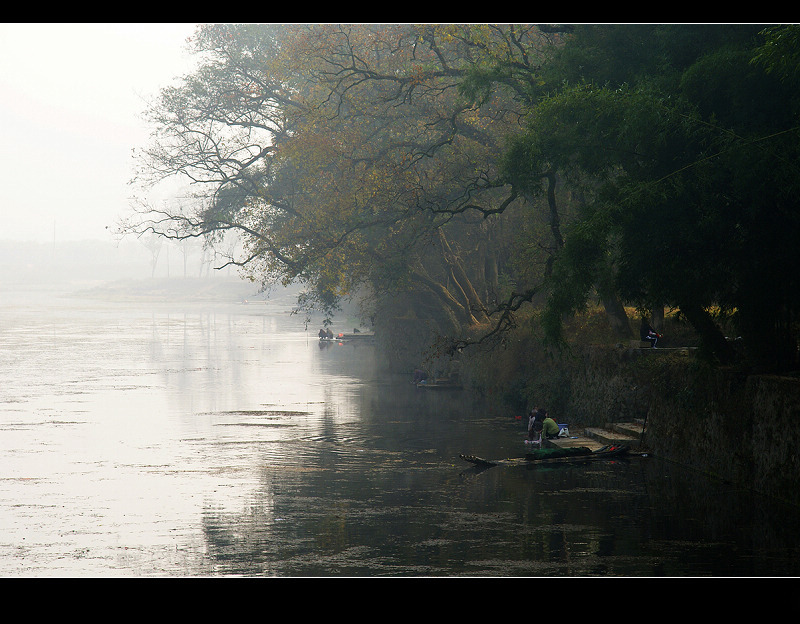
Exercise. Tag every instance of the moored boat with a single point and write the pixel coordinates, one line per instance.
(552, 455)
(439, 385)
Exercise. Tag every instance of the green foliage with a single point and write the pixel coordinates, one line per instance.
(687, 151)
(780, 52)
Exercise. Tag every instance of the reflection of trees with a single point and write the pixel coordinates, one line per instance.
(238, 545)
(349, 502)
(617, 520)
(382, 494)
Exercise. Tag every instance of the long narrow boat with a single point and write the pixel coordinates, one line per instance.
(552, 455)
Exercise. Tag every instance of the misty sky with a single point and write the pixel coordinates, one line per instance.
(71, 97)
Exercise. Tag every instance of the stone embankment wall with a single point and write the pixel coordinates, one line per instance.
(734, 426)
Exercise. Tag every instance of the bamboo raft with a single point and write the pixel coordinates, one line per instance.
(552, 455)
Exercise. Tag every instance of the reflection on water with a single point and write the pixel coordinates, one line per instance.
(163, 440)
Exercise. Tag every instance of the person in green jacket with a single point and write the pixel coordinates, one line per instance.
(549, 426)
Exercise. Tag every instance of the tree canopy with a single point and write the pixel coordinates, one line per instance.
(686, 140)
(452, 174)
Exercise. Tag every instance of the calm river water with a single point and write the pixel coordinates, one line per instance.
(163, 440)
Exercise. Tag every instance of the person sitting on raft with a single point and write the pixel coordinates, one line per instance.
(549, 426)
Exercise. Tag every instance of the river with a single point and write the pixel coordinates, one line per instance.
(198, 439)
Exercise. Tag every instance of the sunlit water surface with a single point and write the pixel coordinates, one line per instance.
(219, 440)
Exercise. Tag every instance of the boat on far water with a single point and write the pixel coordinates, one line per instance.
(364, 336)
(341, 337)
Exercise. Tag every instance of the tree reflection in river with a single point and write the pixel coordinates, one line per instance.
(390, 497)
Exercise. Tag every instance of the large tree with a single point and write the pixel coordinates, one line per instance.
(687, 151)
(352, 158)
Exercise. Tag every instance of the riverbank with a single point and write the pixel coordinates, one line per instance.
(727, 423)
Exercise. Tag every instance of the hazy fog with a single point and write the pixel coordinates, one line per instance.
(81, 263)
(71, 99)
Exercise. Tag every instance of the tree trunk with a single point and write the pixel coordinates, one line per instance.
(462, 312)
(474, 303)
(492, 278)
(711, 336)
(617, 316)
(657, 316)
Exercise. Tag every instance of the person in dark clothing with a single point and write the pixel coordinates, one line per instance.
(535, 422)
(648, 333)
(533, 418)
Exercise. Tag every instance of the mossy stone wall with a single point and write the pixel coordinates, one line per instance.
(723, 422)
